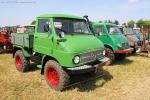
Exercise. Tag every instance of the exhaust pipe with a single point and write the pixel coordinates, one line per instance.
(89, 23)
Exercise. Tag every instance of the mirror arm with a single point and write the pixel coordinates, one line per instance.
(49, 33)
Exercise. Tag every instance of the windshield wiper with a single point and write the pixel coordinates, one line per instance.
(85, 33)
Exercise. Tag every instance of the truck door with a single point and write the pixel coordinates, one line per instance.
(43, 38)
(102, 34)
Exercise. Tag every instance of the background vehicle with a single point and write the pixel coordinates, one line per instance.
(144, 42)
(131, 35)
(116, 45)
(5, 38)
(138, 38)
(60, 44)
(26, 29)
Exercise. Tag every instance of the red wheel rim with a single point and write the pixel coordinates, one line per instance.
(53, 76)
(19, 62)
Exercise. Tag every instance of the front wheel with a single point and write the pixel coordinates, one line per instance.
(110, 54)
(55, 76)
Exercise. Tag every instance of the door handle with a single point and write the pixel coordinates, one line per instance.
(36, 36)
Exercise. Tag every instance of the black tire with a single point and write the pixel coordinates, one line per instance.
(134, 50)
(24, 62)
(92, 73)
(110, 54)
(120, 57)
(60, 78)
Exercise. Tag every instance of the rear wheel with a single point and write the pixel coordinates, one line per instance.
(120, 57)
(55, 76)
(21, 62)
(110, 54)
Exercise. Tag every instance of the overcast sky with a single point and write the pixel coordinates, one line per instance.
(15, 12)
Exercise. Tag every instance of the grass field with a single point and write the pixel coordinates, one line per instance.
(126, 80)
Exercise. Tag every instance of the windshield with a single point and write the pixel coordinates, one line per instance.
(100, 30)
(128, 31)
(71, 26)
(113, 30)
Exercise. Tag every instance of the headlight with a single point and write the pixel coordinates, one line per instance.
(104, 52)
(76, 59)
(119, 45)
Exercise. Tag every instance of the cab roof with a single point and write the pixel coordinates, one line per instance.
(59, 16)
(97, 23)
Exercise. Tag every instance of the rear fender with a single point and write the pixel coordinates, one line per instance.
(25, 51)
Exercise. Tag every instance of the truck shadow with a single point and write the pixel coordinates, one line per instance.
(143, 55)
(88, 82)
(123, 62)
(33, 67)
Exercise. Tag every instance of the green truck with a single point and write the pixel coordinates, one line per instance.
(116, 45)
(61, 45)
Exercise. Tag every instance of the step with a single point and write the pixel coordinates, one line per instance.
(39, 66)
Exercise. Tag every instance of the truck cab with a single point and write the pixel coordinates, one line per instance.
(62, 43)
(132, 38)
(116, 45)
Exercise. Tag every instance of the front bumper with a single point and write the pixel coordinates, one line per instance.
(88, 68)
(124, 51)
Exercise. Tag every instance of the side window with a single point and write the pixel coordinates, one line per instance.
(100, 30)
(43, 25)
(80, 27)
(77, 27)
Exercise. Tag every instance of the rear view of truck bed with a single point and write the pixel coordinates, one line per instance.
(23, 39)
(24, 36)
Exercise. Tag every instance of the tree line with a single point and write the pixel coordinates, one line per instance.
(139, 23)
(131, 23)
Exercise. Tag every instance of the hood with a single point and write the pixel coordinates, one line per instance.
(118, 39)
(132, 38)
(81, 43)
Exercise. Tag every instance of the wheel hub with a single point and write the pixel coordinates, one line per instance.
(19, 62)
(53, 76)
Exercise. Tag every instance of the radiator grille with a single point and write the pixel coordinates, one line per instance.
(125, 45)
(91, 56)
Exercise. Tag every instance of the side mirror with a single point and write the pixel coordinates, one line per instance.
(61, 40)
(46, 28)
(62, 35)
(100, 33)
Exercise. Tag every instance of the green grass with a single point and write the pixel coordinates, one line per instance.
(126, 80)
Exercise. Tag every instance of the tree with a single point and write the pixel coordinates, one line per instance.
(33, 22)
(109, 21)
(124, 24)
(140, 23)
(116, 22)
(131, 23)
(146, 22)
(106, 21)
(100, 21)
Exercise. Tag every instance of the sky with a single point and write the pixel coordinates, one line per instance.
(19, 12)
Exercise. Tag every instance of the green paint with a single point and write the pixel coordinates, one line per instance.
(114, 40)
(63, 49)
(59, 16)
